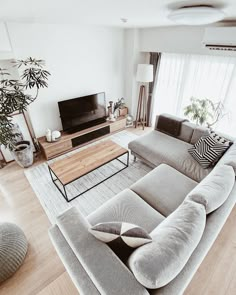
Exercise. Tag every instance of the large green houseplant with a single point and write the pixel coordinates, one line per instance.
(204, 111)
(15, 97)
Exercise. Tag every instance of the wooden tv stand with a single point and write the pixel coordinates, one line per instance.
(69, 142)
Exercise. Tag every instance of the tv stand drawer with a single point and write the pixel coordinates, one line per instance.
(58, 147)
(118, 125)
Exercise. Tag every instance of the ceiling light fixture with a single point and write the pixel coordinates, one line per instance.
(196, 15)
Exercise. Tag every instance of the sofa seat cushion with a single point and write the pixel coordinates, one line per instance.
(157, 147)
(127, 207)
(164, 188)
(156, 264)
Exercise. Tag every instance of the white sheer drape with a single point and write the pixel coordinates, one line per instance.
(182, 76)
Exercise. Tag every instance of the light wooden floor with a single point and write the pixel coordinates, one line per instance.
(43, 273)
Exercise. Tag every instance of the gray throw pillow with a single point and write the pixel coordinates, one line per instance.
(156, 264)
(214, 189)
(121, 237)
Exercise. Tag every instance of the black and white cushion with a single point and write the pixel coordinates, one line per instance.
(121, 237)
(208, 150)
(220, 139)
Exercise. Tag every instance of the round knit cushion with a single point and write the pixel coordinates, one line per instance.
(13, 248)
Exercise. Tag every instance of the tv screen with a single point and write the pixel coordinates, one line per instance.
(82, 112)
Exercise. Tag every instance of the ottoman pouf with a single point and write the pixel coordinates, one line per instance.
(13, 248)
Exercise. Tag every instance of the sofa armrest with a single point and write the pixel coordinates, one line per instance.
(108, 273)
(76, 271)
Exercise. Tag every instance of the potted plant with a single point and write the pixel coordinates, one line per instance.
(13, 98)
(204, 111)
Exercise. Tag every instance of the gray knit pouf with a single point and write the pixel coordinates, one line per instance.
(13, 248)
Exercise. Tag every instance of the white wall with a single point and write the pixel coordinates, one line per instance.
(5, 44)
(9, 67)
(81, 60)
(133, 57)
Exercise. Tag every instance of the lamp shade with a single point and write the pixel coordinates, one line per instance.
(144, 73)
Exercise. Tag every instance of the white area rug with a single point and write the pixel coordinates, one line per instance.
(54, 203)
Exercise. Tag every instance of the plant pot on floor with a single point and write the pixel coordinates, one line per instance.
(23, 153)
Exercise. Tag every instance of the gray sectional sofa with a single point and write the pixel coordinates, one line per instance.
(149, 203)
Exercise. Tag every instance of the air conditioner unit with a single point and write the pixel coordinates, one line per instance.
(220, 38)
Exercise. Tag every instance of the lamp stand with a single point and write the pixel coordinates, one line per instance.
(141, 108)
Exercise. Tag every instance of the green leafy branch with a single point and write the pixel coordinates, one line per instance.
(13, 97)
(204, 111)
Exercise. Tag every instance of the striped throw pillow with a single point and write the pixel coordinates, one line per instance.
(208, 150)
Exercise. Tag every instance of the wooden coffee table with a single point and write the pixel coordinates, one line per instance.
(78, 165)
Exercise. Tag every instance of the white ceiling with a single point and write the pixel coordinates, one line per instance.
(140, 13)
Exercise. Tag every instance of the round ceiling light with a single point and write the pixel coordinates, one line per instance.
(196, 15)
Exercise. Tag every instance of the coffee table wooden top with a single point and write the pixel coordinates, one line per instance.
(85, 161)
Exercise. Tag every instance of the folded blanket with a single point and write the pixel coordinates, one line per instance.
(170, 124)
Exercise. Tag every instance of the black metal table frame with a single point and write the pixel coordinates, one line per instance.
(64, 193)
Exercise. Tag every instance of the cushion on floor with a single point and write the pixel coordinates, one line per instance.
(127, 207)
(161, 188)
(157, 147)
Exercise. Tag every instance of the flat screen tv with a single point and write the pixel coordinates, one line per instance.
(82, 112)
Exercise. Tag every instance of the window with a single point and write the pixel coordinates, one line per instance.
(182, 76)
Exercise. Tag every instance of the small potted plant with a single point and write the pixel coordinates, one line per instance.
(13, 98)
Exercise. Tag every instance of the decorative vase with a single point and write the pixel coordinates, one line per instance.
(129, 121)
(56, 135)
(23, 153)
(48, 135)
(116, 113)
(112, 118)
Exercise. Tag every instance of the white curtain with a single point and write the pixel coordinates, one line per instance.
(182, 76)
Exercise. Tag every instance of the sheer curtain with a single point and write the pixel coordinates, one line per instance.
(182, 76)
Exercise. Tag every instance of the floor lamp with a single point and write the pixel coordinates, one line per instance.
(144, 75)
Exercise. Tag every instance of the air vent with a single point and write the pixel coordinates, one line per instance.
(221, 47)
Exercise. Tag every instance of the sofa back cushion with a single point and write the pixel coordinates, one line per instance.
(229, 158)
(156, 264)
(198, 132)
(186, 130)
(214, 190)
